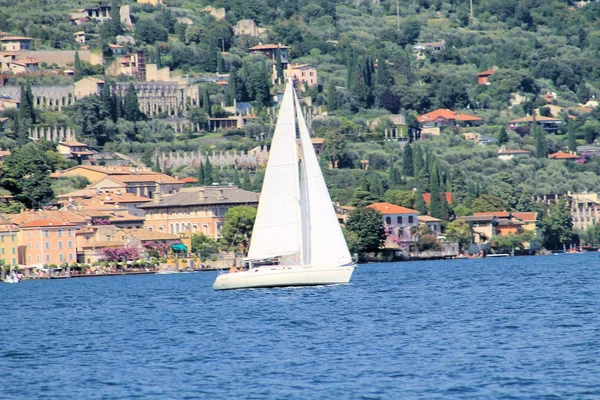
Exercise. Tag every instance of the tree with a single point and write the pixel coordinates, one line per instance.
(489, 203)
(403, 198)
(407, 161)
(502, 136)
(367, 224)
(237, 228)
(420, 205)
(331, 97)
(279, 65)
(205, 101)
(201, 174)
(231, 94)
(203, 245)
(77, 67)
(557, 226)
(131, 105)
(435, 209)
(115, 22)
(393, 177)
(383, 76)
(461, 232)
(208, 173)
(428, 242)
(541, 147)
(572, 137)
(25, 173)
(149, 32)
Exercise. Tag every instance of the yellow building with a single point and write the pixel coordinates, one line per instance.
(95, 173)
(196, 210)
(9, 242)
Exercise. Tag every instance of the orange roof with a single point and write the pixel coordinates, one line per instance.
(447, 114)
(561, 155)
(427, 197)
(45, 223)
(189, 179)
(497, 214)
(388, 208)
(155, 177)
(487, 73)
(268, 47)
(529, 118)
(73, 144)
(13, 38)
(527, 216)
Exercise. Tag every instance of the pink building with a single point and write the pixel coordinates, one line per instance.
(302, 73)
(398, 222)
(47, 242)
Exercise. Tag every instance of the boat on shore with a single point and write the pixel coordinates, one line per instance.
(296, 239)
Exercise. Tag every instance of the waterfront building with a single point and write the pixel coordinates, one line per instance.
(9, 242)
(398, 222)
(46, 241)
(196, 210)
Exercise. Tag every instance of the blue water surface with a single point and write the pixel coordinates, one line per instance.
(522, 328)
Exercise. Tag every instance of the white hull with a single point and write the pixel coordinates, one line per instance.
(282, 275)
(11, 280)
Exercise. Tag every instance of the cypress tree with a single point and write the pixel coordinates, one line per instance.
(220, 63)
(107, 101)
(393, 173)
(350, 59)
(115, 22)
(118, 106)
(502, 136)
(331, 97)
(278, 66)
(407, 161)
(131, 105)
(541, 148)
(158, 57)
(201, 175)
(26, 112)
(232, 87)
(77, 67)
(419, 163)
(420, 205)
(247, 183)
(208, 173)
(236, 178)
(383, 77)
(435, 209)
(572, 138)
(205, 101)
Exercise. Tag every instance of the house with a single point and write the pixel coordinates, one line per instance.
(95, 173)
(79, 37)
(317, 145)
(247, 27)
(47, 241)
(588, 151)
(505, 154)
(91, 199)
(561, 155)
(196, 210)
(145, 240)
(151, 2)
(444, 117)
(6, 59)
(433, 224)
(9, 241)
(4, 153)
(431, 46)
(87, 86)
(483, 78)
(483, 226)
(301, 73)
(6, 103)
(154, 185)
(116, 49)
(270, 51)
(74, 149)
(102, 13)
(527, 219)
(398, 222)
(427, 197)
(26, 64)
(480, 139)
(549, 124)
(15, 43)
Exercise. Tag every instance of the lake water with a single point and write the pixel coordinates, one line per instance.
(525, 327)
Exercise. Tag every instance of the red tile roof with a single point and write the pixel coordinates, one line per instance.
(529, 118)
(45, 223)
(447, 114)
(427, 197)
(268, 47)
(561, 155)
(189, 179)
(388, 208)
(497, 214)
(487, 73)
(526, 216)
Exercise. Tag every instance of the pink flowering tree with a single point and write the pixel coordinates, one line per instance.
(101, 221)
(120, 253)
(157, 248)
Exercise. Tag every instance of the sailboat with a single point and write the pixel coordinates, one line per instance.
(296, 239)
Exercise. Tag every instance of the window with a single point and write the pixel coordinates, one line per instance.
(13, 250)
(411, 219)
(28, 246)
(161, 228)
(2, 251)
(70, 244)
(13, 238)
(2, 239)
(205, 229)
(218, 227)
(70, 256)
(46, 233)
(37, 245)
(14, 261)
(399, 220)
(60, 245)
(28, 233)
(59, 232)
(388, 220)
(38, 258)
(47, 245)
(29, 259)
(60, 257)
(69, 232)
(47, 257)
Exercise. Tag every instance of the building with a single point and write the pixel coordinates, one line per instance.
(196, 210)
(154, 185)
(151, 2)
(26, 64)
(420, 49)
(87, 87)
(444, 117)
(301, 73)
(561, 155)
(480, 139)
(433, 224)
(549, 124)
(9, 242)
(170, 98)
(47, 241)
(527, 219)
(74, 149)
(588, 151)
(15, 43)
(398, 222)
(505, 154)
(92, 199)
(95, 173)
(80, 37)
(116, 49)
(247, 27)
(483, 78)
(270, 51)
(483, 226)
(102, 13)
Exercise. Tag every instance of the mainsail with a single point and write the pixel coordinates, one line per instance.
(295, 216)
(277, 227)
(324, 240)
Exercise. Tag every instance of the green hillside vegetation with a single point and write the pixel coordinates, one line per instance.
(367, 69)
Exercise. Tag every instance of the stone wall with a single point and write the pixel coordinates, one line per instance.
(63, 58)
(52, 133)
(234, 159)
(170, 98)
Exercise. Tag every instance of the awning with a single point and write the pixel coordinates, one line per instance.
(179, 247)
